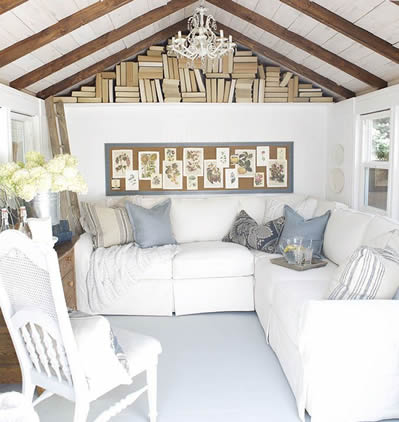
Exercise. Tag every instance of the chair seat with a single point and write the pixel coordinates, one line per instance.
(141, 351)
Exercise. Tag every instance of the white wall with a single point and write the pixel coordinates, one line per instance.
(92, 125)
(344, 128)
(12, 100)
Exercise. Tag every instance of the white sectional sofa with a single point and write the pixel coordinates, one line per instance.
(341, 358)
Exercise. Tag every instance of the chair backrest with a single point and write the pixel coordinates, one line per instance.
(33, 306)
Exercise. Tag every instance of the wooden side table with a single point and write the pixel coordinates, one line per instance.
(9, 366)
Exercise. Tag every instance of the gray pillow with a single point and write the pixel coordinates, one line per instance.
(312, 229)
(152, 226)
(396, 297)
(247, 232)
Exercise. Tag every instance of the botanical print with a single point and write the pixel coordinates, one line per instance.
(262, 156)
(170, 154)
(122, 160)
(132, 180)
(192, 182)
(234, 160)
(246, 162)
(259, 180)
(148, 164)
(281, 154)
(231, 176)
(156, 181)
(173, 175)
(222, 157)
(277, 174)
(193, 161)
(213, 177)
(116, 184)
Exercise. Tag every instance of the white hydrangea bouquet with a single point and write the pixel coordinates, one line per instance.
(26, 180)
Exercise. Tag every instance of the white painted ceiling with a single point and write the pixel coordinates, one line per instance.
(379, 17)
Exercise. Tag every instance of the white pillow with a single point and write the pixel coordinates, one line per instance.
(95, 342)
(305, 207)
(369, 273)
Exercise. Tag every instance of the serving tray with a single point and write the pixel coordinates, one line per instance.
(316, 263)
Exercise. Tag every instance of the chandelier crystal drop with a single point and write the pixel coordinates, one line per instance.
(201, 42)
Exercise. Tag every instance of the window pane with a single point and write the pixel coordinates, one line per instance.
(376, 188)
(18, 139)
(380, 132)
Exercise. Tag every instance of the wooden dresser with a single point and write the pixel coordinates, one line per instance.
(9, 367)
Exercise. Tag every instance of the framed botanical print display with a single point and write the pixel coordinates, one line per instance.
(158, 168)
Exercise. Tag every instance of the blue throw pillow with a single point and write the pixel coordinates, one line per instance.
(312, 229)
(396, 297)
(152, 226)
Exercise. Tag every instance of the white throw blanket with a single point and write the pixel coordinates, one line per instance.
(112, 270)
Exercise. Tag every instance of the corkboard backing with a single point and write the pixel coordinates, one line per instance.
(246, 185)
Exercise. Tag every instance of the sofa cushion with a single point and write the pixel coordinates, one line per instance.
(290, 296)
(369, 273)
(212, 259)
(254, 206)
(202, 219)
(377, 229)
(311, 230)
(323, 206)
(274, 207)
(344, 234)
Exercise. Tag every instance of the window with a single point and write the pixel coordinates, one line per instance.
(21, 135)
(376, 163)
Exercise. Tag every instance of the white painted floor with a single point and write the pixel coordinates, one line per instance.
(214, 368)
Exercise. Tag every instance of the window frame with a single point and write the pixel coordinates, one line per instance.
(367, 163)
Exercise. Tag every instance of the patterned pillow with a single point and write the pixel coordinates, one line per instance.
(108, 226)
(262, 237)
(369, 273)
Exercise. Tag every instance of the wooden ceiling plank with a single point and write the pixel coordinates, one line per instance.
(284, 61)
(59, 29)
(6, 5)
(301, 42)
(97, 44)
(112, 60)
(345, 27)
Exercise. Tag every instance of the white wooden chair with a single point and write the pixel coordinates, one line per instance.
(33, 305)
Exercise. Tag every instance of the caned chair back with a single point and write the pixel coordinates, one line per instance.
(34, 308)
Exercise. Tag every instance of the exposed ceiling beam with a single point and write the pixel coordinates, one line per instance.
(112, 60)
(59, 29)
(288, 63)
(345, 27)
(6, 5)
(99, 43)
(300, 42)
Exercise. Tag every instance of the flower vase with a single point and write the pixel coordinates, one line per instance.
(46, 205)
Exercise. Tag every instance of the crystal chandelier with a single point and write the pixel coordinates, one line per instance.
(201, 42)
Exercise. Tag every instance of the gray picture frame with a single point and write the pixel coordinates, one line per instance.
(290, 161)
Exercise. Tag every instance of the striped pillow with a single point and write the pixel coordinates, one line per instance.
(108, 226)
(370, 273)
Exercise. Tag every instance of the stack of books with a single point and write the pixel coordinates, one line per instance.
(170, 88)
(87, 94)
(244, 90)
(272, 76)
(150, 67)
(62, 232)
(245, 64)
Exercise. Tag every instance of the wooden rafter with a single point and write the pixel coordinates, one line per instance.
(6, 5)
(300, 42)
(338, 23)
(59, 29)
(112, 60)
(288, 63)
(99, 43)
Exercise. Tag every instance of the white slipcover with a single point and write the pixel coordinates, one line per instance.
(202, 219)
(212, 259)
(344, 233)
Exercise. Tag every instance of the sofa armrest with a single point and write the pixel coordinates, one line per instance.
(83, 250)
(350, 355)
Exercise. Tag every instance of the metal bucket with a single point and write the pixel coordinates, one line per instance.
(45, 205)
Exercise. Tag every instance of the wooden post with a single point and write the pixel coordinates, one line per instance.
(59, 141)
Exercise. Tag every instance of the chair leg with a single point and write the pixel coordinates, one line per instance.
(81, 411)
(152, 392)
(28, 389)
